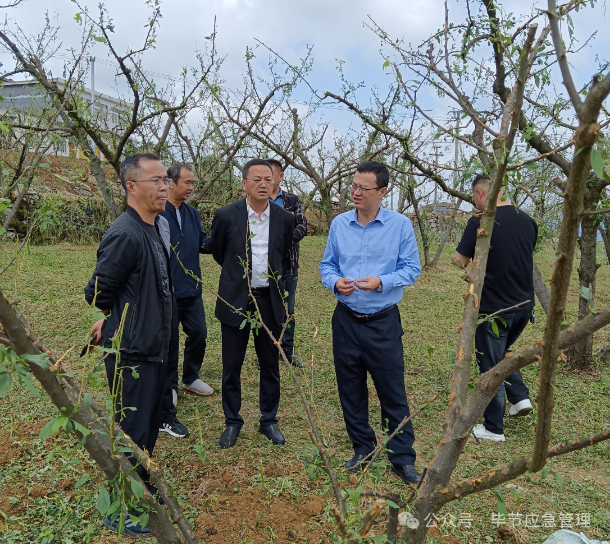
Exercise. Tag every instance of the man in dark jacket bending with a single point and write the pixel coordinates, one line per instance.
(132, 271)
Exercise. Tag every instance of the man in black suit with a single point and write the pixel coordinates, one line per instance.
(266, 230)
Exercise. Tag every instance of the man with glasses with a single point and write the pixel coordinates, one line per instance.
(188, 240)
(132, 273)
(371, 254)
(251, 241)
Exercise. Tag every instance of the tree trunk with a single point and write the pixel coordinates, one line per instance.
(95, 164)
(422, 229)
(343, 198)
(581, 354)
(541, 290)
(447, 233)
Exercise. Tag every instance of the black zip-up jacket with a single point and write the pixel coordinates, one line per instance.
(188, 239)
(292, 204)
(128, 270)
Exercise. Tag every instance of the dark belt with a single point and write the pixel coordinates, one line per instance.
(260, 292)
(364, 318)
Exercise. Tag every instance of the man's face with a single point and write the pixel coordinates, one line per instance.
(259, 184)
(146, 194)
(183, 188)
(278, 177)
(365, 193)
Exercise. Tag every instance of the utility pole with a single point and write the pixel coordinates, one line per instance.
(92, 60)
(436, 155)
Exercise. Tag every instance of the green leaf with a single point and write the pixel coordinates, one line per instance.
(6, 382)
(386, 64)
(60, 423)
(26, 381)
(137, 488)
(100, 39)
(392, 504)
(494, 328)
(500, 500)
(40, 360)
(597, 163)
(584, 292)
(199, 450)
(88, 398)
(558, 477)
(144, 519)
(96, 313)
(82, 430)
(78, 18)
(81, 480)
(45, 165)
(544, 473)
(103, 501)
(355, 495)
(47, 430)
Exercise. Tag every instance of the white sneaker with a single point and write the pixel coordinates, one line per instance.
(522, 408)
(482, 433)
(199, 388)
(174, 397)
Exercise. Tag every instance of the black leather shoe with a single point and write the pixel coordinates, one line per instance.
(355, 463)
(229, 436)
(297, 362)
(273, 434)
(155, 493)
(407, 473)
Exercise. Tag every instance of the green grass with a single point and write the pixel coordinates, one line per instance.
(259, 493)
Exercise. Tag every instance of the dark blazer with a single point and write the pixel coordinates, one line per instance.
(228, 241)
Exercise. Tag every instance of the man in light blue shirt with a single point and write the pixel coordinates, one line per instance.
(371, 254)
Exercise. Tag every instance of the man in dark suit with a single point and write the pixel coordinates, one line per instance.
(266, 230)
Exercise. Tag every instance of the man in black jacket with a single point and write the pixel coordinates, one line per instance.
(132, 271)
(266, 230)
(188, 240)
(292, 204)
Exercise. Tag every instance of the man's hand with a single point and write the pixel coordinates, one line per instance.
(345, 286)
(369, 283)
(97, 330)
(461, 260)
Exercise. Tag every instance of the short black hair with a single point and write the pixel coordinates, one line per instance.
(382, 174)
(276, 163)
(254, 162)
(175, 170)
(131, 163)
(478, 179)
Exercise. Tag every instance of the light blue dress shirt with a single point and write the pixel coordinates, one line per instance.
(386, 248)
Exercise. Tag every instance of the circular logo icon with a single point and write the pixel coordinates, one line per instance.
(412, 523)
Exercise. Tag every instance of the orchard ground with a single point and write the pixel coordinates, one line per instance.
(259, 493)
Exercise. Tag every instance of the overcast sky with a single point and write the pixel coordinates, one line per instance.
(334, 27)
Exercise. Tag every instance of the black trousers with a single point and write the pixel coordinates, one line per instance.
(374, 347)
(145, 394)
(490, 350)
(234, 344)
(169, 411)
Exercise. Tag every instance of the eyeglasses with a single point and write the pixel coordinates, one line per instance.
(259, 181)
(362, 190)
(157, 181)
